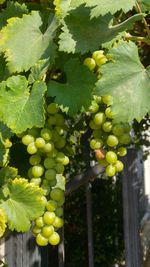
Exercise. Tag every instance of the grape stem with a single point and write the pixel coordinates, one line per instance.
(82, 178)
(137, 38)
(138, 9)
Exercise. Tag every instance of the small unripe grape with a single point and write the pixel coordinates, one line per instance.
(54, 239)
(59, 130)
(111, 157)
(94, 126)
(112, 141)
(34, 132)
(36, 230)
(119, 166)
(59, 119)
(61, 202)
(109, 113)
(122, 151)
(90, 63)
(39, 142)
(31, 148)
(58, 222)
(97, 56)
(53, 182)
(94, 107)
(51, 205)
(96, 143)
(118, 130)
(46, 189)
(35, 159)
(97, 134)
(97, 98)
(37, 170)
(47, 230)
(53, 108)
(51, 120)
(107, 126)
(110, 170)
(48, 147)
(99, 118)
(125, 139)
(59, 168)
(41, 240)
(27, 139)
(59, 211)
(39, 222)
(50, 174)
(108, 100)
(102, 162)
(49, 163)
(57, 194)
(60, 143)
(49, 217)
(46, 134)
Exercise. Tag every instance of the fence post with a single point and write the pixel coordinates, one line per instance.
(131, 211)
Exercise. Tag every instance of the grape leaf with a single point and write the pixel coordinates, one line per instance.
(19, 108)
(82, 34)
(145, 5)
(127, 81)
(7, 173)
(102, 7)
(5, 134)
(38, 70)
(24, 44)
(23, 205)
(13, 9)
(77, 91)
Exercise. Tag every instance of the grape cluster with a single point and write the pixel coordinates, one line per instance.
(108, 138)
(98, 58)
(47, 167)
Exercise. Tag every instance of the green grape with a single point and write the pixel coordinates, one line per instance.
(27, 139)
(35, 159)
(90, 63)
(59, 211)
(36, 230)
(119, 166)
(39, 222)
(60, 143)
(102, 162)
(94, 107)
(112, 141)
(107, 126)
(110, 170)
(34, 132)
(36, 181)
(111, 157)
(47, 230)
(96, 143)
(53, 108)
(54, 239)
(60, 121)
(122, 151)
(51, 120)
(97, 98)
(97, 134)
(48, 147)
(37, 170)
(99, 57)
(57, 194)
(46, 134)
(58, 222)
(59, 168)
(46, 189)
(102, 61)
(49, 217)
(53, 182)
(40, 142)
(43, 200)
(53, 153)
(51, 205)
(41, 240)
(61, 201)
(108, 100)
(49, 163)
(62, 158)
(118, 130)
(99, 118)
(109, 113)
(31, 148)
(59, 130)
(94, 126)
(125, 139)
(55, 136)
(50, 174)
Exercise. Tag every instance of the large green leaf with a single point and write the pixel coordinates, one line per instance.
(126, 79)
(24, 44)
(13, 9)
(82, 34)
(77, 91)
(19, 108)
(23, 205)
(102, 7)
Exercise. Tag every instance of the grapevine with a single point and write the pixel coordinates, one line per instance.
(61, 85)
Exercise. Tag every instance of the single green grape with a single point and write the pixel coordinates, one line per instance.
(59, 167)
(112, 141)
(40, 142)
(36, 230)
(60, 143)
(111, 157)
(53, 182)
(35, 159)
(94, 107)
(125, 139)
(109, 113)
(51, 205)
(99, 118)
(49, 217)
(122, 151)
(90, 63)
(119, 166)
(51, 120)
(50, 174)
(94, 126)
(49, 163)
(41, 240)
(31, 148)
(48, 147)
(46, 134)
(107, 126)
(110, 170)
(59, 211)
(37, 170)
(47, 230)
(53, 108)
(57, 194)
(108, 100)
(96, 144)
(58, 222)
(118, 130)
(39, 222)
(54, 239)
(60, 121)
(27, 139)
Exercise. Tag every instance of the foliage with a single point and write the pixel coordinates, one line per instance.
(74, 74)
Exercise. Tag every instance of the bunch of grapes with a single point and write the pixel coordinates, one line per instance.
(108, 138)
(47, 167)
(98, 58)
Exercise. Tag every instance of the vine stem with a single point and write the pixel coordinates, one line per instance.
(137, 6)
(137, 38)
